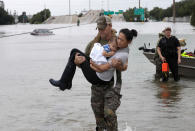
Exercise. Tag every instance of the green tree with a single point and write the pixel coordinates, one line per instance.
(147, 13)
(157, 14)
(127, 14)
(183, 8)
(40, 17)
(5, 18)
(192, 22)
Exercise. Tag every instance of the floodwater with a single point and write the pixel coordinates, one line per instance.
(29, 103)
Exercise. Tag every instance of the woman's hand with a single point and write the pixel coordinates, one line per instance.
(93, 63)
(79, 59)
(95, 69)
(116, 63)
(94, 66)
(99, 68)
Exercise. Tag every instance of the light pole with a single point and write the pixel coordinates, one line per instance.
(139, 4)
(69, 8)
(102, 4)
(173, 11)
(108, 6)
(89, 4)
(44, 11)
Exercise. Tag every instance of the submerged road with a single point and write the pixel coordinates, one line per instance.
(29, 102)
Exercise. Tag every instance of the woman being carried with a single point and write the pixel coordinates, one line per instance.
(98, 68)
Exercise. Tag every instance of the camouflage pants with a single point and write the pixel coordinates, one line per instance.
(159, 74)
(158, 63)
(104, 102)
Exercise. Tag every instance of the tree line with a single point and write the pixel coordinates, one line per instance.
(192, 22)
(5, 18)
(183, 8)
(38, 18)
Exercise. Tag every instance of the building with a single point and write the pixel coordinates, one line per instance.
(178, 19)
(1, 4)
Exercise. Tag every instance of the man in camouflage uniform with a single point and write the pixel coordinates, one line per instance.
(105, 99)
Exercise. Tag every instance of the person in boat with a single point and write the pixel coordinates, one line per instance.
(105, 98)
(157, 59)
(169, 50)
(78, 22)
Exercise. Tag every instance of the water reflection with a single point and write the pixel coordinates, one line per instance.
(169, 93)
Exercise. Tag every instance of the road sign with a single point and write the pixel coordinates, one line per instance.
(142, 17)
(112, 12)
(108, 12)
(139, 11)
(120, 11)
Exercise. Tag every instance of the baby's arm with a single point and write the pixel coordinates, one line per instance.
(108, 54)
(101, 68)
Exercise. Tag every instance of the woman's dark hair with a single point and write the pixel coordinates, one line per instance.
(129, 34)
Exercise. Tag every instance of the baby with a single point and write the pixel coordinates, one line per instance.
(99, 54)
(110, 48)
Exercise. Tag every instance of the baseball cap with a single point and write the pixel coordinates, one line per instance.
(167, 29)
(102, 22)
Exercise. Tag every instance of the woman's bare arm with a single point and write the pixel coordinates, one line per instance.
(95, 69)
(102, 67)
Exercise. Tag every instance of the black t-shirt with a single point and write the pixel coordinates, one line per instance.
(169, 46)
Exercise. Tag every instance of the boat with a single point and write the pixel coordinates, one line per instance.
(42, 32)
(186, 67)
(2, 32)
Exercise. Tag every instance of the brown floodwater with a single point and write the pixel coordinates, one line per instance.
(29, 103)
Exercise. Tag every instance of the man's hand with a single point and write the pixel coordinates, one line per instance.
(79, 59)
(163, 59)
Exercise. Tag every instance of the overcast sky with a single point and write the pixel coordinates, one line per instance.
(61, 7)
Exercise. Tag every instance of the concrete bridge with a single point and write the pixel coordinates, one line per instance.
(90, 17)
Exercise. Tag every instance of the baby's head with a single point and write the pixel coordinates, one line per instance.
(113, 43)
